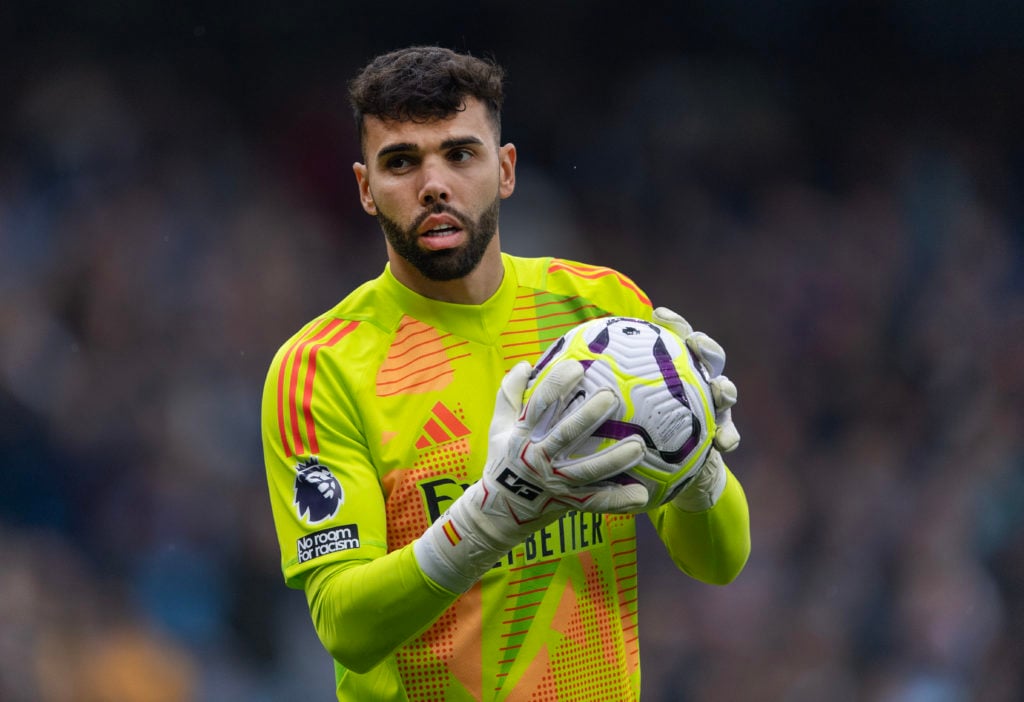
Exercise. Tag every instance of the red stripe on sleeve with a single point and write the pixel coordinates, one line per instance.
(281, 398)
(594, 272)
(293, 384)
(280, 403)
(307, 391)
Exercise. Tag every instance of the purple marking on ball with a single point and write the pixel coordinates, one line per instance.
(668, 371)
(617, 430)
(600, 342)
(548, 355)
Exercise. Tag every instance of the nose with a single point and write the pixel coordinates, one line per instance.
(434, 187)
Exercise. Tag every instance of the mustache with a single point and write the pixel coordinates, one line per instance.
(435, 209)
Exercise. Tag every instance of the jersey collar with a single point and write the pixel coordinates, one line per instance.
(482, 323)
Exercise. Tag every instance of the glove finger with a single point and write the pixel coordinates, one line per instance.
(727, 437)
(579, 423)
(509, 403)
(672, 320)
(611, 498)
(608, 462)
(553, 389)
(723, 393)
(708, 351)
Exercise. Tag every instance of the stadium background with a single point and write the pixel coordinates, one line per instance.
(832, 190)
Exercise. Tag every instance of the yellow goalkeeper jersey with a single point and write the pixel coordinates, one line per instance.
(375, 418)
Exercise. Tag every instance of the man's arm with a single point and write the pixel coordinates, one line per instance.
(364, 610)
(708, 542)
(706, 528)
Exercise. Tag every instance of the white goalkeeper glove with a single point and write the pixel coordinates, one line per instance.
(705, 487)
(703, 491)
(523, 488)
(711, 356)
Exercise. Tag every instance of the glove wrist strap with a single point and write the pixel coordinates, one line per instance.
(462, 545)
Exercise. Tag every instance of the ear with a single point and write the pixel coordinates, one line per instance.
(363, 181)
(507, 170)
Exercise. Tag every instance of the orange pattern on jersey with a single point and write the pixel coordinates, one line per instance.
(462, 637)
(538, 319)
(581, 270)
(526, 588)
(422, 664)
(588, 653)
(537, 683)
(624, 556)
(603, 608)
(547, 309)
(450, 648)
(567, 619)
(407, 519)
(418, 361)
(301, 353)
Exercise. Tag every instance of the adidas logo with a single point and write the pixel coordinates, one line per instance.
(442, 427)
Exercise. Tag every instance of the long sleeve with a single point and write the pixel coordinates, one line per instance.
(364, 610)
(711, 546)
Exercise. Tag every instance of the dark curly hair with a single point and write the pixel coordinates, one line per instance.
(421, 83)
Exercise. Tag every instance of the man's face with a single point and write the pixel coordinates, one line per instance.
(435, 188)
(436, 258)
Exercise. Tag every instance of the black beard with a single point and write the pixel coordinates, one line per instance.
(448, 264)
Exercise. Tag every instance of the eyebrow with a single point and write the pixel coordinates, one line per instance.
(406, 146)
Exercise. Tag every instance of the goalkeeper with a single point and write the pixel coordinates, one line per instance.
(444, 554)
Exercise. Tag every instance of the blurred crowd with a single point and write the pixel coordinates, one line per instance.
(856, 247)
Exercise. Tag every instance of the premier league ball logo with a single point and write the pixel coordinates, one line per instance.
(318, 493)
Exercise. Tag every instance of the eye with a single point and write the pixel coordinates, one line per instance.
(398, 162)
(460, 155)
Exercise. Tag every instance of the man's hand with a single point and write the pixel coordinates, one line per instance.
(523, 476)
(523, 487)
(708, 482)
(712, 357)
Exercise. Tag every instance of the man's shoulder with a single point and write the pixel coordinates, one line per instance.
(371, 306)
(568, 277)
(363, 318)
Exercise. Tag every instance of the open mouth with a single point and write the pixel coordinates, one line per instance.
(441, 230)
(442, 236)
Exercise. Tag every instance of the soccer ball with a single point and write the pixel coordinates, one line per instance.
(664, 398)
